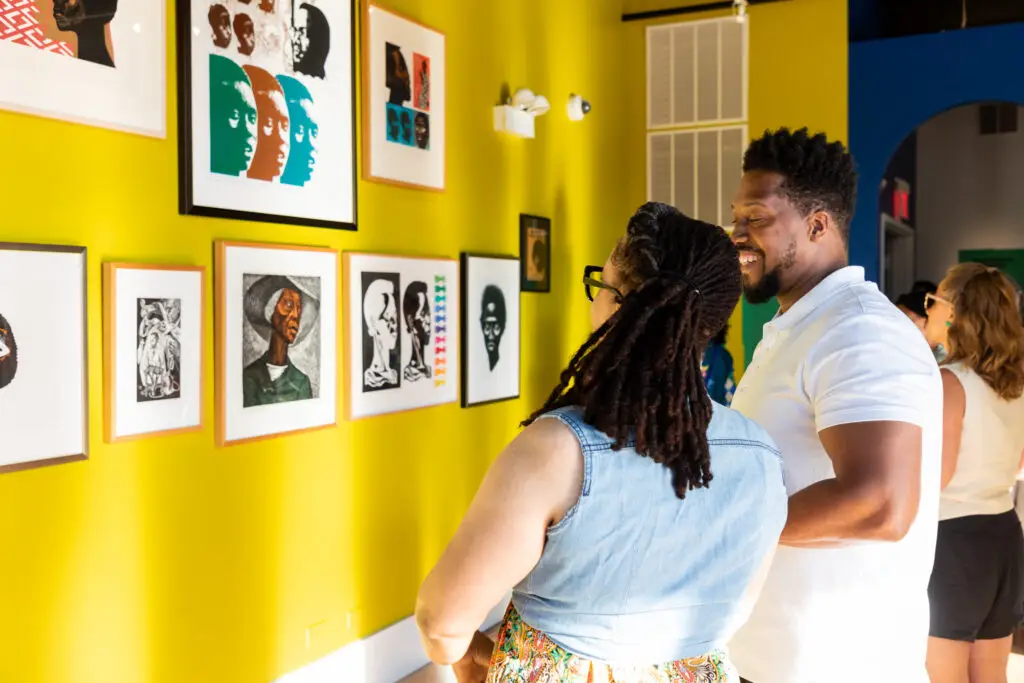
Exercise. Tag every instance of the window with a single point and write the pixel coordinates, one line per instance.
(696, 115)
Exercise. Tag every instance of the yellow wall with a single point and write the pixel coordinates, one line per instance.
(171, 560)
(797, 77)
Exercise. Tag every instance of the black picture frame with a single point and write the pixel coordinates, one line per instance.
(186, 201)
(526, 223)
(464, 331)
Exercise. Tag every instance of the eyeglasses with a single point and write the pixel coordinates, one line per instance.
(590, 283)
(931, 299)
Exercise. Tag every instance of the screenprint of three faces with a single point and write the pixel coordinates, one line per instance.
(265, 126)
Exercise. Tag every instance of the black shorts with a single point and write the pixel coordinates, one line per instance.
(977, 587)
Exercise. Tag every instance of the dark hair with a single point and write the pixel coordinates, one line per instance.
(924, 287)
(493, 295)
(720, 338)
(913, 302)
(817, 174)
(638, 376)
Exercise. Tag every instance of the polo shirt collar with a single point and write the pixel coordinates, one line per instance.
(822, 292)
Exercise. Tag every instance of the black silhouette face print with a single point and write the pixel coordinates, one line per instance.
(492, 322)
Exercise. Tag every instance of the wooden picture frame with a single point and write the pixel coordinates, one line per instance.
(54, 327)
(316, 184)
(530, 229)
(415, 156)
(187, 412)
(291, 414)
(495, 389)
(431, 382)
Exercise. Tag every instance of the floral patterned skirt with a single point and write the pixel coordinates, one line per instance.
(525, 655)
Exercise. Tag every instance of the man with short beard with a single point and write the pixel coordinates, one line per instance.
(847, 387)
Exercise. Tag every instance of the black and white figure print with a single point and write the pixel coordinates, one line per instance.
(490, 330)
(416, 317)
(158, 351)
(492, 322)
(8, 353)
(401, 326)
(382, 347)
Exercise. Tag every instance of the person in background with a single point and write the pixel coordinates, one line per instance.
(629, 562)
(717, 368)
(912, 306)
(846, 386)
(977, 585)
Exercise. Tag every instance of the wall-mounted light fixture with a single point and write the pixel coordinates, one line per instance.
(517, 116)
(739, 9)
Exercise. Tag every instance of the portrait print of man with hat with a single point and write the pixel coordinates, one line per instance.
(282, 311)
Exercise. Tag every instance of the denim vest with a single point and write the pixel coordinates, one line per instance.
(632, 574)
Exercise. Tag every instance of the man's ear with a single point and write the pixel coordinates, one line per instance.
(819, 223)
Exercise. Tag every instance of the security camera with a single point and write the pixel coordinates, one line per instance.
(578, 107)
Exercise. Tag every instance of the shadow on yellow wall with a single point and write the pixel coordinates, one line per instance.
(170, 560)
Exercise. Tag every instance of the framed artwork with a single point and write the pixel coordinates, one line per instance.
(98, 62)
(490, 329)
(535, 253)
(277, 331)
(266, 111)
(403, 101)
(154, 319)
(43, 367)
(401, 318)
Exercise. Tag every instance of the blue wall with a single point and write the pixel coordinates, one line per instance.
(898, 84)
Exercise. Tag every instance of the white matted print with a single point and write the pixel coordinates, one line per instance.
(403, 101)
(401, 332)
(43, 410)
(267, 111)
(154, 318)
(490, 329)
(277, 331)
(99, 62)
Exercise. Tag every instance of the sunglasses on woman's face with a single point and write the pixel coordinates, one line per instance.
(592, 281)
(932, 299)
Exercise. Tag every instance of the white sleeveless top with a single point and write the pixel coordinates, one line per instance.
(990, 451)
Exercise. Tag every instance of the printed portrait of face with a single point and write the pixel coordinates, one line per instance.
(220, 23)
(272, 125)
(380, 316)
(422, 130)
(394, 127)
(8, 353)
(305, 132)
(267, 6)
(88, 20)
(492, 322)
(416, 311)
(311, 41)
(396, 75)
(287, 315)
(232, 118)
(406, 127)
(246, 34)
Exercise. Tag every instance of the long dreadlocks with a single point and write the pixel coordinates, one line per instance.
(638, 376)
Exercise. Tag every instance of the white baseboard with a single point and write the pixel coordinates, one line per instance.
(385, 657)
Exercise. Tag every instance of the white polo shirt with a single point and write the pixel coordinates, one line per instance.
(843, 354)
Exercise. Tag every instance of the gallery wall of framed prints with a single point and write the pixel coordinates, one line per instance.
(43, 355)
(267, 111)
(154, 349)
(490, 329)
(401, 318)
(404, 98)
(276, 340)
